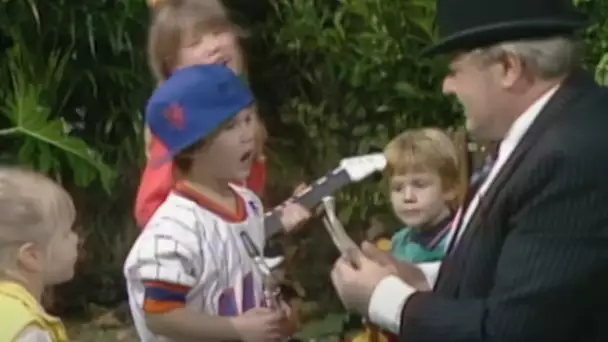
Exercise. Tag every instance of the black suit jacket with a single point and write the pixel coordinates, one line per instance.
(532, 265)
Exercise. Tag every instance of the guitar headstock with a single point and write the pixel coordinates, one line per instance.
(359, 167)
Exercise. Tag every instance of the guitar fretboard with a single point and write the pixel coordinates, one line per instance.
(324, 186)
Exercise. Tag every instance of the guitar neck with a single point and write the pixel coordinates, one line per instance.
(324, 186)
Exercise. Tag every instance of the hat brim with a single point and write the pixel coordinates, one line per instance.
(487, 35)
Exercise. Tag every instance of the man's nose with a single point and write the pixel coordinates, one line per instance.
(448, 85)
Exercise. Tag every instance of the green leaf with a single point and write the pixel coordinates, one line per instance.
(28, 109)
(406, 88)
(601, 72)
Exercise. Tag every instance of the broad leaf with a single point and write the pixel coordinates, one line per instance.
(28, 107)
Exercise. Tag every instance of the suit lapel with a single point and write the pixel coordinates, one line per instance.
(566, 96)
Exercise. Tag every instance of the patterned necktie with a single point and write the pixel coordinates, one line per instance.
(479, 176)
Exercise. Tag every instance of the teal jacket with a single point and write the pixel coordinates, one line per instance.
(405, 247)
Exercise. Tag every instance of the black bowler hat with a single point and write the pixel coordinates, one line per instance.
(465, 25)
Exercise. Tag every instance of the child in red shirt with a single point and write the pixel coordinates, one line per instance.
(177, 18)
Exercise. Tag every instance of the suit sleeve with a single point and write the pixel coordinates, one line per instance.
(554, 263)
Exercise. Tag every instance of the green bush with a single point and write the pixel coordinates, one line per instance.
(351, 77)
(596, 37)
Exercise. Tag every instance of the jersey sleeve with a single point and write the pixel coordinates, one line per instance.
(169, 261)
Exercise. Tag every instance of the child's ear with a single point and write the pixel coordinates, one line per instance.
(31, 257)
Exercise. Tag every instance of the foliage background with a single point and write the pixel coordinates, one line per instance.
(333, 78)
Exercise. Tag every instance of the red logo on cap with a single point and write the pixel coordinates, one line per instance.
(175, 115)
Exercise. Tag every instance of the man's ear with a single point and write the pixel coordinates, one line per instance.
(512, 70)
(30, 257)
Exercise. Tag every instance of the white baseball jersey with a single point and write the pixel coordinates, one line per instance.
(190, 255)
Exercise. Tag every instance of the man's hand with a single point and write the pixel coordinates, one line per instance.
(408, 272)
(356, 283)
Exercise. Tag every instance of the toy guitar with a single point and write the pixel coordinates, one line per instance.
(270, 285)
(352, 169)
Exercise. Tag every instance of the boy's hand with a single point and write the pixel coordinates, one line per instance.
(293, 215)
(259, 325)
(290, 323)
(300, 189)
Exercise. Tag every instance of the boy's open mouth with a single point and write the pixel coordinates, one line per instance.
(246, 156)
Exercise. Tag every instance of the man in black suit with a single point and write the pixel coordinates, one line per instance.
(528, 259)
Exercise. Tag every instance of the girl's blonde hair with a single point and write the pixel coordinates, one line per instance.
(179, 23)
(32, 207)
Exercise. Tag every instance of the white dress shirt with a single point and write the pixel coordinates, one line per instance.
(390, 295)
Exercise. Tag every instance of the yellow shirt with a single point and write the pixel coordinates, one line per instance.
(20, 310)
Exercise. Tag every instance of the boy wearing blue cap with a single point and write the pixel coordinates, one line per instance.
(188, 274)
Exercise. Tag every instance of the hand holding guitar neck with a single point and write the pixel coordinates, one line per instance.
(351, 170)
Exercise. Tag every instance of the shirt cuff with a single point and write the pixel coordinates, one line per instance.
(387, 302)
(431, 271)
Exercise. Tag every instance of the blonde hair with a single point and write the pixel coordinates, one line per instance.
(32, 207)
(179, 23)
(426, 149)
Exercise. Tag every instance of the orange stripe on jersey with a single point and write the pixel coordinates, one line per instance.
(237, 215)
(163, 297)
(157, 307)
(167, 286)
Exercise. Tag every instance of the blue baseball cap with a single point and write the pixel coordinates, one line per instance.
(192, 104)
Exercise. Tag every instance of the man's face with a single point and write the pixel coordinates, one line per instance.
(479, 88)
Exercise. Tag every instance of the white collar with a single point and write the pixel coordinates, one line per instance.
(523, 123)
